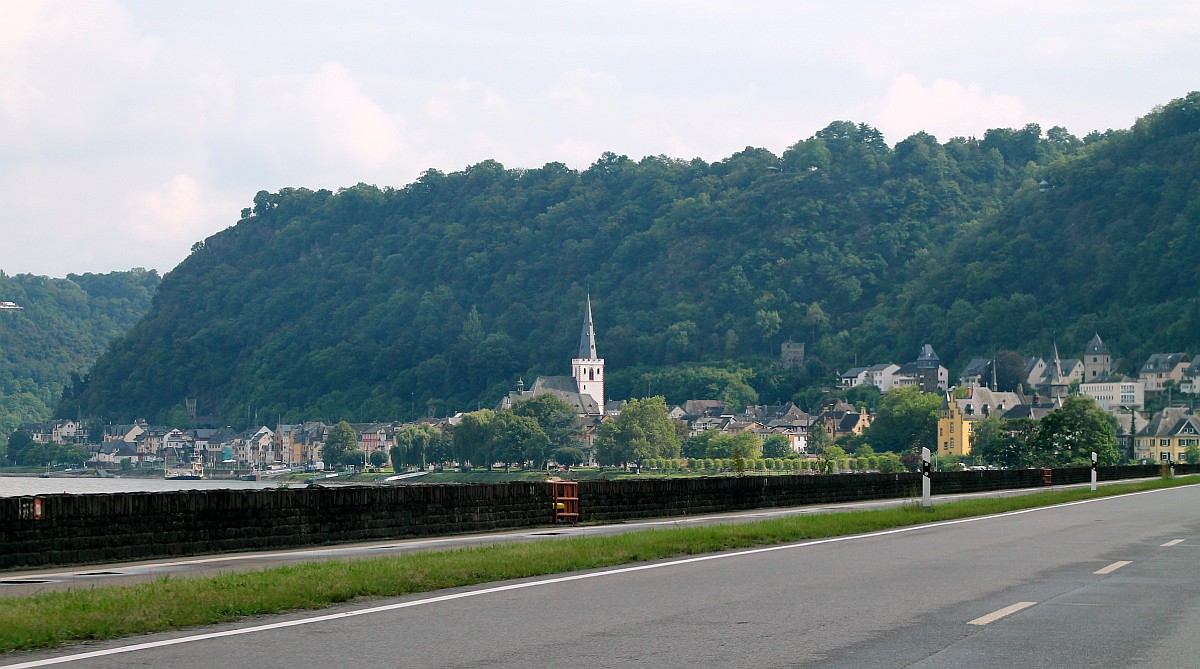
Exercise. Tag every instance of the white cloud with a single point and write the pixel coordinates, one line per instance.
(945, 109)
(179, 209)
(320, 121)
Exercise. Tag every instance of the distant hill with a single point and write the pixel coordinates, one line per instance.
(63, 325)
(374, 303)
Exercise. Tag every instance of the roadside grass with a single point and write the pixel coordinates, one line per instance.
(56, 618)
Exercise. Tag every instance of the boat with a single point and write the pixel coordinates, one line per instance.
(193, 473)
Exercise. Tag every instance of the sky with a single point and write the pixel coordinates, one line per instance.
(129, 130)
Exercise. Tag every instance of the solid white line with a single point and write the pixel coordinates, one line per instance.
(1113, 567)
(997, 615)
(1173, 542)
(550, 581)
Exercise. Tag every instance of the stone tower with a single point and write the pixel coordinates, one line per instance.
(1097, 360)
(588, 367)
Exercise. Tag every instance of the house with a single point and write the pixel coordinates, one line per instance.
(977, 373)
(126, 433)
(374, 438)
(1191, 378)
(882, 376)
(1167, 436)
(1035, 368)
(1161, 369)
(839, 418)
(1115, 392)
(853, 377)
(113, 452)
(958, 415)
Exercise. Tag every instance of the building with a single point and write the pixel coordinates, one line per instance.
(1167, 436)
(1114, 392)
(1097, 360)
(958, 415)
(584, 389)
(977, 373)
(1162, 369)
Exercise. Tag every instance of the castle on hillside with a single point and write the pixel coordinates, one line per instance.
(584, 389)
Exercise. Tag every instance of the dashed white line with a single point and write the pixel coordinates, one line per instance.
(1113, 567)
(1173, 542)
(1004, 612)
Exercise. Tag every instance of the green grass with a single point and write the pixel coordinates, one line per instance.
(57, 618)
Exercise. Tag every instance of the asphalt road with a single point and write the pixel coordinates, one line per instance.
(1113, 582)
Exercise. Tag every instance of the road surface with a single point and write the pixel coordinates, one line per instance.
(1112, 582)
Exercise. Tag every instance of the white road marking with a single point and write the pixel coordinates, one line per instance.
(1173, 542)
(551, 581)
(1113, 567)
(1004, 612)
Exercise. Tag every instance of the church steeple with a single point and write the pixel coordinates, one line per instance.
(587, 340)
(588, 368)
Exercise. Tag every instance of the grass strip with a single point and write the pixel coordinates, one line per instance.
(56, 618)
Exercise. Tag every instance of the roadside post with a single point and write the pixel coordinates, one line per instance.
(925, 501)
(1170, 465)
(1093, 471)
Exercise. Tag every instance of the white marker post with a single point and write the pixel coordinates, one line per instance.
(925, 501)
(1093, 471)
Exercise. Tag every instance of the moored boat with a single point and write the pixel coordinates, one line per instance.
(193, 473)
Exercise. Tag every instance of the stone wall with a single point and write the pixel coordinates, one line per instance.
(80, 529)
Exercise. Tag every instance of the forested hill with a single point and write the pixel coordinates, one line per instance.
(63, 325)
(372, 304)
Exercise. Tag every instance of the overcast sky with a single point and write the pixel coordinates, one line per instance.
(131, 129)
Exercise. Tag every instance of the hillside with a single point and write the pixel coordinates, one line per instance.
(63, 325)
(377, 303)
(1104, 240)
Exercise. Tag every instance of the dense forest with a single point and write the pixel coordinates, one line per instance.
(379, 303)
(63, 325)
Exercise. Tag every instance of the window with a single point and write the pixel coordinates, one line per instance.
(1163, 455)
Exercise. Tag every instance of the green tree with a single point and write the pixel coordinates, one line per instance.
(777, 446)
(473, 438)
(18, 442)
(1010, 371)
(818, 439)
(378, 459)
(1068, 435)
(725, 445)
(519, 440)
(569, 456)
(1192, 454)
(643, 430)
(556, 418)
(906, 420)
(415, 443)
(341, 441)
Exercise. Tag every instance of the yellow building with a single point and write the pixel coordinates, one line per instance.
(1168, 435)
(958, 414)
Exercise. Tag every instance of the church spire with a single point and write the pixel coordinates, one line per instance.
(587, 340)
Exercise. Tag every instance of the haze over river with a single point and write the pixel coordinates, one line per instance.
(17, 486)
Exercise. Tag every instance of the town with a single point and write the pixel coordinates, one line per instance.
(771, 431)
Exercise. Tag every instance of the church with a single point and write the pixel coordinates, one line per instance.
(584, 389)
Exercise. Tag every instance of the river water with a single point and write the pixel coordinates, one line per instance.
(17, 486)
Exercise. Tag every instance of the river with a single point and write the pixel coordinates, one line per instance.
(17, 486)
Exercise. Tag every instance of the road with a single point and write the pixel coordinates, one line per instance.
(1111, 582)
